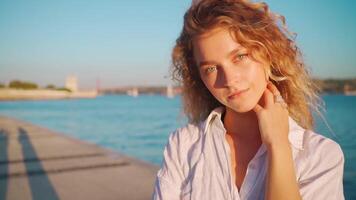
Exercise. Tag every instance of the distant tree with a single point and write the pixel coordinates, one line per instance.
(336, 85)
(51, 86)
(15, 84)
(2, 85)
(23, 85)
(64, 89)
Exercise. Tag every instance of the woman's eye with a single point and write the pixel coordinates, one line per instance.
(240, 57)
(210, 69)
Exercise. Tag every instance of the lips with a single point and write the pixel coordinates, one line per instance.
(237, 93)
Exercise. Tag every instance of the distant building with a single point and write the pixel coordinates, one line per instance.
(348, 90)
(72, 83)
(133, 92)
(169, 91)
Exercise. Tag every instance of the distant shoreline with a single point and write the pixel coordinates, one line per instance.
(43, 94)
(327, 86)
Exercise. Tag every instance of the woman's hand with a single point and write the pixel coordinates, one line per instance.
(274, 127)
(272, 118)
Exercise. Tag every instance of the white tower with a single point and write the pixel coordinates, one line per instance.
(72, 83)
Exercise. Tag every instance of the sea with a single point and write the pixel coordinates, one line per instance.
(140, 126)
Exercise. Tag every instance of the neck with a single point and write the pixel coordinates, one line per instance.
(243, 126)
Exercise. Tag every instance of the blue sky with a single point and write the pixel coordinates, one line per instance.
(129, 42)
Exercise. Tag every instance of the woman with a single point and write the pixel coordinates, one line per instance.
(248, 96)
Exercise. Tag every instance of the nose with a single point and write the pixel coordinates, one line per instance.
(229, 76)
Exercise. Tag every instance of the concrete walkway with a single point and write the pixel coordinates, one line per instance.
(38, 164)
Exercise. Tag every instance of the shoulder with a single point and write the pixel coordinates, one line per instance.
(188, 137)
(319, 146)
(320, 156)
(320, 167)
(193, 131)
(308, 143)
(185, 135)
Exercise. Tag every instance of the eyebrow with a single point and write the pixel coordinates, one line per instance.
(233, 52)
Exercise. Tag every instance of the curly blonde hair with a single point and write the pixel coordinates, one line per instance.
(265, 35)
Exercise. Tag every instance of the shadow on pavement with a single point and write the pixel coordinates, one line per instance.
(40, 185)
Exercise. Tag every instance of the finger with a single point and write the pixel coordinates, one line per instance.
(273, 88)
(268, 98)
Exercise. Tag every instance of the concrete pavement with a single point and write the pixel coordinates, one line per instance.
(39, 164)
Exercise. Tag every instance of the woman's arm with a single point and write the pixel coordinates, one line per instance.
(274, 128)
(281, 180)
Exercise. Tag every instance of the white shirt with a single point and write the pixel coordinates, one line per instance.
(197, 165)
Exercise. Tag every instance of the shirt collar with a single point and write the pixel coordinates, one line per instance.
(214, 114)
(295, 135)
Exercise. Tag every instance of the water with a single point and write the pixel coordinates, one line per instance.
(140, 126)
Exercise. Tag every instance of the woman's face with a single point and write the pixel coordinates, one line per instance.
(228, 71)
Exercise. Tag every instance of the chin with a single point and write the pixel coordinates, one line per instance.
(241, 108)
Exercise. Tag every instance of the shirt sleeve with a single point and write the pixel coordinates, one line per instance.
(170, 176)
(322, 178)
